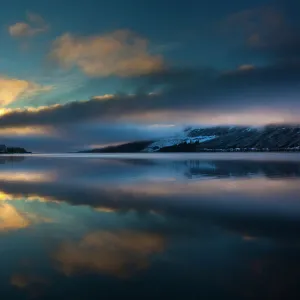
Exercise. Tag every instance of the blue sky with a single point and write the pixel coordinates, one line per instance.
(143, 63)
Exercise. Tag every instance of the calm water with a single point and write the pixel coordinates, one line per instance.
(215, 226)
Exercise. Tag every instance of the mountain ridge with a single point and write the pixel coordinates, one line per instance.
(272, 137)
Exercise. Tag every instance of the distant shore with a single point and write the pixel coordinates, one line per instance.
(14, 150)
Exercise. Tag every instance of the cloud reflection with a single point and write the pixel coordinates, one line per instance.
(11, 218)
(115, 221)
(229, 193)
(27, 176)
(14, 218)
(34, 284)
(116, 253)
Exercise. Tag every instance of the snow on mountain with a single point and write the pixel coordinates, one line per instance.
(220, 139)
(239, 138)
(185, 137)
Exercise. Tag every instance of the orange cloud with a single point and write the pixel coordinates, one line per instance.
(255, 116)
(27, 131)
(115, 253)
(35, 25)
(120, 53)
(246, 68)
(12, 89)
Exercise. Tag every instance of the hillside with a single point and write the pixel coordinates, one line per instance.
(220, 138)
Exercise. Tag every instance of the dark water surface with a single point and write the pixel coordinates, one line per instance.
(159, 227)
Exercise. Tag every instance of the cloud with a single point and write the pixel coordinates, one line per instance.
(13, 89)
(240, 70)
(247, 95)
(103, 97)
(266, 31)
(36, 131)
(246, 68)
(115, 253)
(33, 26)
(193, 93)
(257, 25)
(121, 53)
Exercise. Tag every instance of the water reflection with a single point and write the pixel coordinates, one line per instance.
(116, 253)
(214, 227)
(11, 159)
(34, 285)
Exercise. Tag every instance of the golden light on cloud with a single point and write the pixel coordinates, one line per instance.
(104, 97)
(5, 196)
(120, 53)
(26, 131)
(103, 209)
(12, 89)
(246, 67)
(116, 253)
(255, 117)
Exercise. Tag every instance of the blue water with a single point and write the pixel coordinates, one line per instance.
(201, 226)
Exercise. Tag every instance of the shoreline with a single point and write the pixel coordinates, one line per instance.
(275, 156)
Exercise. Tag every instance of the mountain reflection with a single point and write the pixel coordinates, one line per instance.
(11, 159)
(116, 226)
(227, 168)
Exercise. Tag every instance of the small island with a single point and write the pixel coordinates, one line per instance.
(12, 150)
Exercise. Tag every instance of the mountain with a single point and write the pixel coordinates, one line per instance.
(220, 138)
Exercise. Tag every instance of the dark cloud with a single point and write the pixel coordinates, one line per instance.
(266, 32)
(184, 91)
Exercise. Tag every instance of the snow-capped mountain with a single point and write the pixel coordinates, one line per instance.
(232, 138)
(188, 137)
(220, 138)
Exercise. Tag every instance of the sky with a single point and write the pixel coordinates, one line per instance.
(80, 74)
